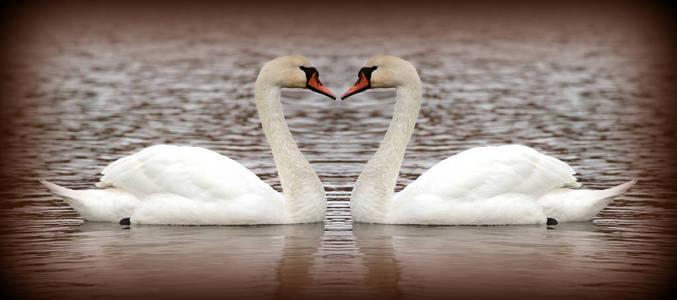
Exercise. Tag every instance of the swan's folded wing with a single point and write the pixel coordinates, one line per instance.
(191, 172)
(485, 172)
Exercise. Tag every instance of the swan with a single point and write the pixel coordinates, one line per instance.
(495, 185)
(181, 185)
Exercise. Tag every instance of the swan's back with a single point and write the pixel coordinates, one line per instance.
(484, 185)
(192, 172)
(485, 172)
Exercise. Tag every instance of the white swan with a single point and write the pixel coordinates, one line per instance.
(183, 185)
(509, 184)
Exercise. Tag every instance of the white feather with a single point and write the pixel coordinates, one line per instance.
(510, 184)
(109, 205)
(178, 185)
(496, 185)
(166, 184)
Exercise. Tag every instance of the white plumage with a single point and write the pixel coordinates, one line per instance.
(167, 184)
(183, 185)
(510, 184)
(496, 185)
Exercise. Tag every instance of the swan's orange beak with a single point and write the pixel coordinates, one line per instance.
(362, 84)
(314, 84)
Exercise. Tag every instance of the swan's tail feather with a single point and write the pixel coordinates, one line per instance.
(617, 190)
(568, 205)
(602, 198)
(74, 198)
(96, 205)
(61, 191)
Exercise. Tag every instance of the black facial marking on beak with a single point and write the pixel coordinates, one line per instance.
(309, 72)
(313, 82)
(367, 72)
(362, 84)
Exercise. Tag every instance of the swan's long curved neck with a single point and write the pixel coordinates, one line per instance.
(373, 191)
(302, 189)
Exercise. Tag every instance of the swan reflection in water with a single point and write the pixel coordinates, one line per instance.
(303, 261)
(527, 260)
(181, 261)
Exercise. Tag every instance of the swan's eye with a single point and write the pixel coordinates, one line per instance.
(313, 82)
(367, 72)
(363, 82)
(309, 72)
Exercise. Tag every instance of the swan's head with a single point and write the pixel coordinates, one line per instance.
(293, 72)
(383, 72)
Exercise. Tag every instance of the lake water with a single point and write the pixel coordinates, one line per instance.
(587, 86)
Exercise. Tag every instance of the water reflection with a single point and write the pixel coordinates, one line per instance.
(375, 243)
(385, 261)
(584, 86)
(307, 261)
(177, 261)
(434, 261)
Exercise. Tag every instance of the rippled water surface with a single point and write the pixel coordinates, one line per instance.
(88, 88)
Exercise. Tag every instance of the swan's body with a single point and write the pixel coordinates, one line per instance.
(510, 184)
(166, 184)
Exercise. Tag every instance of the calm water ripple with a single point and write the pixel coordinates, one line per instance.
(94, 89)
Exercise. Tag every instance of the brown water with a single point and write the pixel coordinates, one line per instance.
(586, 86)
